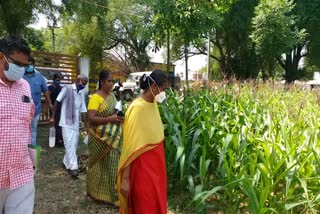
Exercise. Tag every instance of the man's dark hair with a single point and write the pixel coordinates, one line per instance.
(56, 76)
(157, 77)
(14, 43)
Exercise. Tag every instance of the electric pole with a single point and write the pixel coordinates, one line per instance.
(208, 64)
(53, 35)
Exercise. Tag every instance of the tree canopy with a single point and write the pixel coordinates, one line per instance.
(247, 37)
(15, 15)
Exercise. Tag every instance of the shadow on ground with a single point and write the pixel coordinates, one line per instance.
(56, 191)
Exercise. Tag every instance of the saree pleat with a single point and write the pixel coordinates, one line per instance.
(104, 153)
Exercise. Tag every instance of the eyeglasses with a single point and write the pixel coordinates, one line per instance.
(20, 64)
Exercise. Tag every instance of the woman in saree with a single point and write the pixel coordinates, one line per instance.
(105, 141)
(141, 179)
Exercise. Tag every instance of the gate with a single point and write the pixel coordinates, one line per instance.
(49, 64)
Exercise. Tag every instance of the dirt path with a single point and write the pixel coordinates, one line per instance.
(56, 191)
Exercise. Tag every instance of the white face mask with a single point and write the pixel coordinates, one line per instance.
(160, 98)
(14, 72)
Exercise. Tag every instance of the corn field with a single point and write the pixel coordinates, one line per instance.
(244, 149)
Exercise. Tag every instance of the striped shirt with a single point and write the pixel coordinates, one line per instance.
(16, 113)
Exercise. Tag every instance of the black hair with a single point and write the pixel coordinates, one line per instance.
(14, 43)
(56, 76)
(31, 59)
(157, 76)
(104, 74)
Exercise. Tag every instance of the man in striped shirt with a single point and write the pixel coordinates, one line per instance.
(16, 112)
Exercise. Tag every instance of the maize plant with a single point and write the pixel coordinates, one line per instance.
(245, 148)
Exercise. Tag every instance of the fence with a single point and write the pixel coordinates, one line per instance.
(49, 64)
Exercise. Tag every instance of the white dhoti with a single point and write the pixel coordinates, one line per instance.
(70, 139)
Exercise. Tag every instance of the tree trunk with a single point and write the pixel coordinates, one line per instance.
(292, 63)
(186, 63)
(14, 22)
(223, 58)
(168, 51)
(209, 72)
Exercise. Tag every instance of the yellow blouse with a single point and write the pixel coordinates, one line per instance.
(95, 101)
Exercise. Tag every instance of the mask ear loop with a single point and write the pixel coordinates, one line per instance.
(145, 77)
(150, 85)
(5, 58)
(155, 83)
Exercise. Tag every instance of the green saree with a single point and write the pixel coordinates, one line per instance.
(104, 153)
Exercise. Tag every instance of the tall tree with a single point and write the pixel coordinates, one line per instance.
(102, 25)
(184, 20)
(162, 26)
(129, 27)
(15, 15)
(84, 29)
(310, 20)
(35, 39)
(232, 48)
(283, 30)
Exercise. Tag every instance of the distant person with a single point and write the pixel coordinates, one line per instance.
(141, 179)
(16, 113)
(105, 141)
(72, 104)
(38, 86)
(54, 91)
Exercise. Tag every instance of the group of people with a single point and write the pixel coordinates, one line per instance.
(126, 166)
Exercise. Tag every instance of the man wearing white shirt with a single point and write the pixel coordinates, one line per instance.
(72, 105)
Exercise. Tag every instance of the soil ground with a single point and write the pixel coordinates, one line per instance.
(56, 191)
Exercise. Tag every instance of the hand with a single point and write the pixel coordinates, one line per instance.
(120, 119)
(51, 122)
(116, 119)
(124, 192)
(86, 126)
(125, 182)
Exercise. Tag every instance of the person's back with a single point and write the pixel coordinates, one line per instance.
(141, 179)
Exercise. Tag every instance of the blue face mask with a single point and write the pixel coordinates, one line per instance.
(80, 87)
(56, 83)
(30, 69)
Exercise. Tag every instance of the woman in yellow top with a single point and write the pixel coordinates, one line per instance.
(105, 141)
(141, 179)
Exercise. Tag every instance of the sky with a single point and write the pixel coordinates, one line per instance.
(195, 63)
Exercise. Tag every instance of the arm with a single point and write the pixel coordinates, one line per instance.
(59, 99)
(92, 116)
(48, 100)
(96, 120)
(49, 92)
(84, 119)
(125, 181)
(44, 88)
(54, 110)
